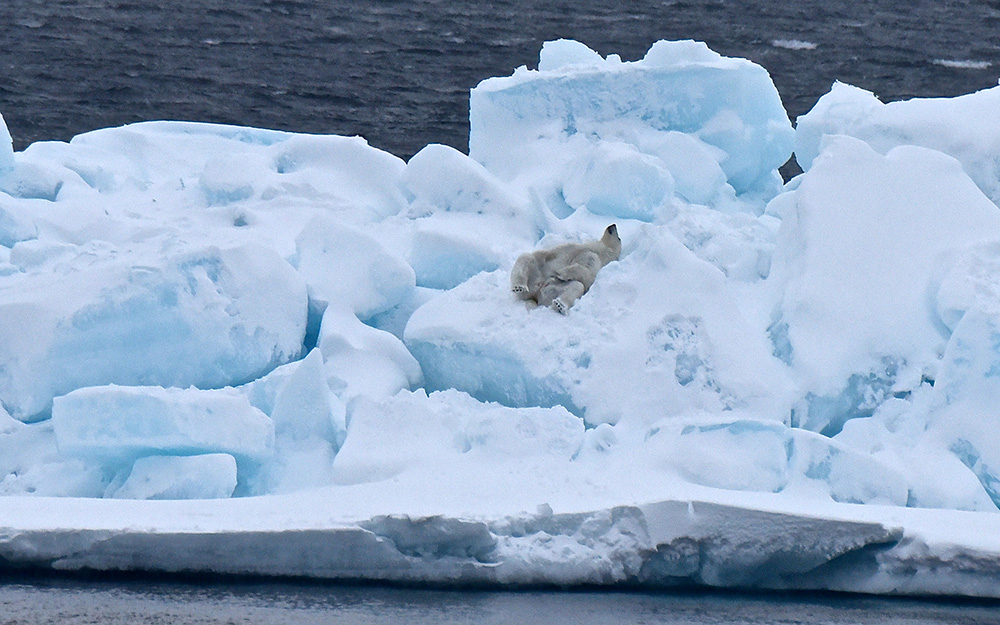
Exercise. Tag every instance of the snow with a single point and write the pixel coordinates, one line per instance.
(964, 128)
(246, 351)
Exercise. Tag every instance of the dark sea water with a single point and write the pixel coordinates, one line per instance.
(65, 602)
(399, 72)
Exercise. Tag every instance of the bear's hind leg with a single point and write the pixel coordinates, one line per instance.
(570, 293)
(550, 290)
(524, 277)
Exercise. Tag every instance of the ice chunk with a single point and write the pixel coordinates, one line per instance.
(864, 240)
(344, 174)
(444, 258)
(16, 224)
(761, 456)
(309, 427)
(346, 267)
(466, 221)
(206, 476)
(32, 181)
(305, 407)
(362, 361)
(33, 253)
(537, 121)
(563, 53)
(848, 476)
(443, 179)
(166, 315)
(740, 455)
(739, 244)
(118, 424)
(30, 464)
(619, 181)
(973, 282)
(6, 148)
(967, 387)
(836, 113)
(965, 127)
(416, 430)
(231, 177)
(692, 163)
(896, 436)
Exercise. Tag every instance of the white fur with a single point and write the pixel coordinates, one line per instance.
(558, 276)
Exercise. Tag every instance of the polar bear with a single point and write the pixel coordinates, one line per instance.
(558, 276)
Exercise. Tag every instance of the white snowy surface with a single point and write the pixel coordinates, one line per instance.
(964, 128)
(310, 348)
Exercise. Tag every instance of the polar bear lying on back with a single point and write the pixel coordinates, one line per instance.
(558, 276)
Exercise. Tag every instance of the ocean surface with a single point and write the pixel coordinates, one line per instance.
(398, 72)
(69, 602)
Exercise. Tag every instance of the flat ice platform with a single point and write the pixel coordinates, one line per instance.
(869, 549)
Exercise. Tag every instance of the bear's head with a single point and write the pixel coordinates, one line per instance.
(612, 241)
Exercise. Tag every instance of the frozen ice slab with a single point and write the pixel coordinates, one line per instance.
(414, 430)
(864, 243)
(346, 268)
(205, 476)
(161, 315)
(465, 220)
(763, 456)
(965, 127)
(6, 148)
(362, 361)
(618, 123)
(722, 543)
(118, 424)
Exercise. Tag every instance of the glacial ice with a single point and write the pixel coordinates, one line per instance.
(258, 352)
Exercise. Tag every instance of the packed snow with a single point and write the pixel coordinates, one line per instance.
(257, 352)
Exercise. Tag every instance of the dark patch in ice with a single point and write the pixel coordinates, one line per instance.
(678, 344)
(781, 345)
(861, 396)
(435, 537)
(314, 318)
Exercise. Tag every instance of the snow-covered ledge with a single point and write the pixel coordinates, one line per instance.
(878, 550)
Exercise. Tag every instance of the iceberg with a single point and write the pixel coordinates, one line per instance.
(251, 352)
